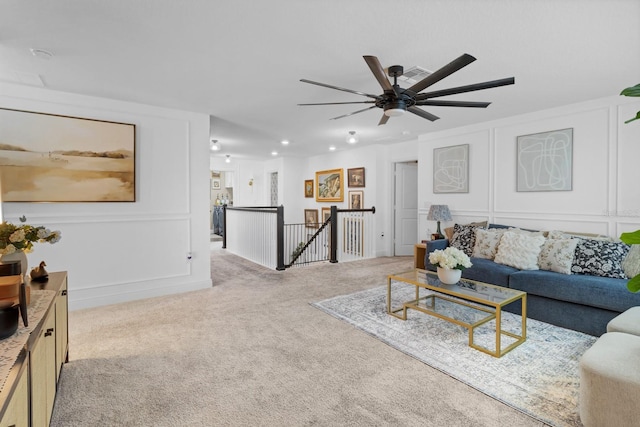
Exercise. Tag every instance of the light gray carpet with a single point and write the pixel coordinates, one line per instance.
(252, 351)
(540, 377)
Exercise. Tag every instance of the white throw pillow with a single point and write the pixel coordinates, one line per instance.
(556, 234)
(519, 250)
(487, 242)
(527, 232)
(631, 263)
(557, 255)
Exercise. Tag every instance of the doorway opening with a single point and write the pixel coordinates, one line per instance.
(405, 212)
(221, 194)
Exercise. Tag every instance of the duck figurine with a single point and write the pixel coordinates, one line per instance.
(39, 274)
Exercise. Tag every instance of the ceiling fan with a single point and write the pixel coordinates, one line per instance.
(396, 100)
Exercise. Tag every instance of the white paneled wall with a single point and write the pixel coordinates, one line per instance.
(605, 197)
(120, 251)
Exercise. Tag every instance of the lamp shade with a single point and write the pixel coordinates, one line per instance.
(439, 213)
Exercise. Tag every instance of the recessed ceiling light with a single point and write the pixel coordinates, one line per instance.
(332, 148)
(284, 142)
(274, 153)
(41, 53)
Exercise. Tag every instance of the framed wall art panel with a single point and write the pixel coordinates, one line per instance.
(308, 188)
(52, 158)
(326, 213)
(311, 218)
(451, 169)
(355, 177)
(356, 199)
(544, 161)
(330, 186)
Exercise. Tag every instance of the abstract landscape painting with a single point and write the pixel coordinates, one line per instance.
(52, 158)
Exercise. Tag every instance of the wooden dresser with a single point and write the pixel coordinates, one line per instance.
(29, 391)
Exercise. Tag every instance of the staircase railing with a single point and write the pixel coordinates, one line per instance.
(310, 242)
(260, 235)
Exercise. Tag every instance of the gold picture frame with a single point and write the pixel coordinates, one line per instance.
(308, 188)
(330, 185)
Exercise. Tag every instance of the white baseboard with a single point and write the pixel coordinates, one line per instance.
(95, 297)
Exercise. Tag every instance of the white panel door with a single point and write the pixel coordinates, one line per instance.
(406, 208)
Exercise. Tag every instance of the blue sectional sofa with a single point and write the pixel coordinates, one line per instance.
(580, 302)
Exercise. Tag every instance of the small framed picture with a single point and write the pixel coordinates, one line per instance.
(215, 184)
(308, 188)
(326, 213)
(356, 199)
(311, 218)
(355, 177)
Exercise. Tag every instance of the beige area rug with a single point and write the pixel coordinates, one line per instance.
(540, 377)
(252, 351)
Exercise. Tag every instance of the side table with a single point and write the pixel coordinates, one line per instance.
(419, 251)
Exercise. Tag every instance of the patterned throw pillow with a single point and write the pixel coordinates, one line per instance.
(448, 232)
(464, 237)
(631, 263)
(519, 250)
(557, 255)
(487, 242)
(600, 258)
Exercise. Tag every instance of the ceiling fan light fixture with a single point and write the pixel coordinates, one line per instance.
(352, 138)
(393, 112)
(395, 108)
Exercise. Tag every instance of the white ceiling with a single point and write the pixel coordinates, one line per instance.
(241, 61)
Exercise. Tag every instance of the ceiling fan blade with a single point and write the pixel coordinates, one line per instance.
(420, 112)
(383, 119)
(378, 72)
(339, 103)
(467, 88)
(443, 72)
(339, 88)
(453, 103)
(355, 112)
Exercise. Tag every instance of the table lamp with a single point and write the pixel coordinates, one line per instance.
(439, 213)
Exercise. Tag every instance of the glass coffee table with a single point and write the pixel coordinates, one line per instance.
(467, 303)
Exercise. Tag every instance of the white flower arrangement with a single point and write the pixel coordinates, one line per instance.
(450, 258)
(14, 238)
